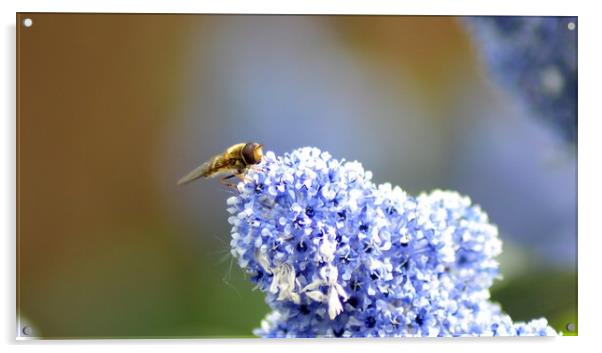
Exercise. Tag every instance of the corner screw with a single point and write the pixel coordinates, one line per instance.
(27, 331)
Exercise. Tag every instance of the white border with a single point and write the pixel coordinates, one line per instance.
(433, 7)
(590, 117)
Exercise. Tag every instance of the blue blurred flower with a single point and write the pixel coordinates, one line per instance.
(535, 59)
(340, 256)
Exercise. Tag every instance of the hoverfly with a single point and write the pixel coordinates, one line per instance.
(235, 161)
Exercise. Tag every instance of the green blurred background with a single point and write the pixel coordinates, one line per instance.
(113, 109)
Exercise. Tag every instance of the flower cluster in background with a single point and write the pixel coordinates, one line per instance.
(535, 60)
(339, 256)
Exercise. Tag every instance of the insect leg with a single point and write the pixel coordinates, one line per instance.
(258, 169)
(224, 182)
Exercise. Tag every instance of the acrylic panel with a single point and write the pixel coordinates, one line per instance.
(239, 176)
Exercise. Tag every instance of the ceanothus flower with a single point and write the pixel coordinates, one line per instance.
(339, 256)
(535, 60)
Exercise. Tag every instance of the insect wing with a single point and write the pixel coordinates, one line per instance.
(198, 172)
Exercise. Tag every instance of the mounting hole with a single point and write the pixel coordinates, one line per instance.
(28, 22)
(571, 26)
(27, 331)
(570, 327)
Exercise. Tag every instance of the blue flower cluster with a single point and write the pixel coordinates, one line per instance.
(339, 256)
(535, 59)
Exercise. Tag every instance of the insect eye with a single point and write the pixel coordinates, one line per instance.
(248, 154)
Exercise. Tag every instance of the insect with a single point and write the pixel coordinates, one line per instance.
(235, 161)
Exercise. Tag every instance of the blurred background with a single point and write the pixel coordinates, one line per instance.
(113, 109)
